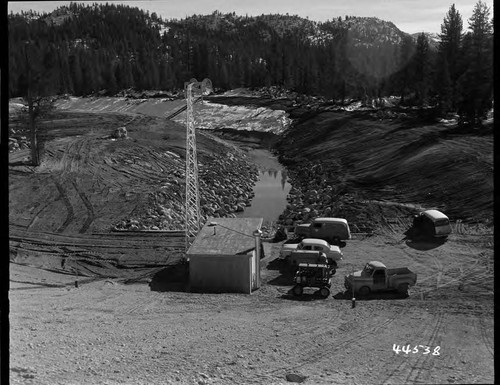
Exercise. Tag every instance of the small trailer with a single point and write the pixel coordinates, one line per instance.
(432, 223)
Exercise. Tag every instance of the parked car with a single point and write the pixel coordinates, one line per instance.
(332, 252)
(432, 223)
(377, 277)
(332, 230)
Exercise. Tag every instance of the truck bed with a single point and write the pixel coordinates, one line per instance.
(398, 271)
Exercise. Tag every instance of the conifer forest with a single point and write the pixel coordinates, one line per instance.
(84, 50)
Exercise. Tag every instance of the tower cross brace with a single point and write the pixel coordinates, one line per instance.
(192, 206)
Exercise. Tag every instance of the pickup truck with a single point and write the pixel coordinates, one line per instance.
(333, 253)
(333, 230)
(377, 277)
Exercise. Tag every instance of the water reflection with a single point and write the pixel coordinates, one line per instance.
(274, 173)
(284, 176)
(270, 191)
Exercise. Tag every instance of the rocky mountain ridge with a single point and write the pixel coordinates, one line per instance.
(364, 31)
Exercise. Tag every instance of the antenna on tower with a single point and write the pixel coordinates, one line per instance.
(192, 209)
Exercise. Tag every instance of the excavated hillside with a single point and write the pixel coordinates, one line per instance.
(398, 163)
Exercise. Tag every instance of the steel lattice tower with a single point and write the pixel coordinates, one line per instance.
(192, 209)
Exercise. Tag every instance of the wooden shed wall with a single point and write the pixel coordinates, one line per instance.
(221, 273)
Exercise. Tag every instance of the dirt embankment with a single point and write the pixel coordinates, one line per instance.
(354, 165)
(90, 186)
(376, 166)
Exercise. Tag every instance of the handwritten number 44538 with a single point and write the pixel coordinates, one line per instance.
(407, 349)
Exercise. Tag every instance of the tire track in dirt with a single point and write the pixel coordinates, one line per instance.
(480, 326)
(143, 305)
(443, 274)
(66, 158)
(75, 155)
(126, 239)
(69, 208)
(417, 369)
(315, 354)
(37, 215)
(89, 207)
(474, 274)
(413, 370)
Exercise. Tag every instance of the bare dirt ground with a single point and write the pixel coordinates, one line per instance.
(117, 327)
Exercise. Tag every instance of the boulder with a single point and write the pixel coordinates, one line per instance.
(293, 377)
(120, 132)
(240, 207)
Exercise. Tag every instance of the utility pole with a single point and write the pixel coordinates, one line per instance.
(192, 208)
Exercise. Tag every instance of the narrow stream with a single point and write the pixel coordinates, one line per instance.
(270, 190)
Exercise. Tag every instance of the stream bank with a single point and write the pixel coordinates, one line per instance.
(272, 186)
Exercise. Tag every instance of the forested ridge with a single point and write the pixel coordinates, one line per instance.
(83, 50)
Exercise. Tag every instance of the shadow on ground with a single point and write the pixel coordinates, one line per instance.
(284, 279)
(311, 295)
(419, 241)
(347, 295)
(286, 276)
(276, 264)
(172, 278)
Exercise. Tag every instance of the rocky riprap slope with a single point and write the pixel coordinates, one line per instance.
(320, 190)
(225, 186)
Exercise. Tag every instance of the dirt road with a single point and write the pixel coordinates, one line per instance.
(108, 332)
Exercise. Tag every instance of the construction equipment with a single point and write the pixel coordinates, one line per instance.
(192, 207)
(313, 275)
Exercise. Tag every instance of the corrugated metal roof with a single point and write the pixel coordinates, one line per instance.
(232, 236)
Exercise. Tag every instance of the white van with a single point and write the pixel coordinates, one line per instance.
(332, 230)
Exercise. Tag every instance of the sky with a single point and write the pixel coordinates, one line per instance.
(411, 16)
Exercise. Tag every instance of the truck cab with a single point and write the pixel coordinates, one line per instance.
(376, 275)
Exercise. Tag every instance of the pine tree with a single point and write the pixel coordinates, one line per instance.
(76, 73)
(445, 88)
(37, 87)
(449, 53)
(405, 79)
(422, 69)
(476, 82)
